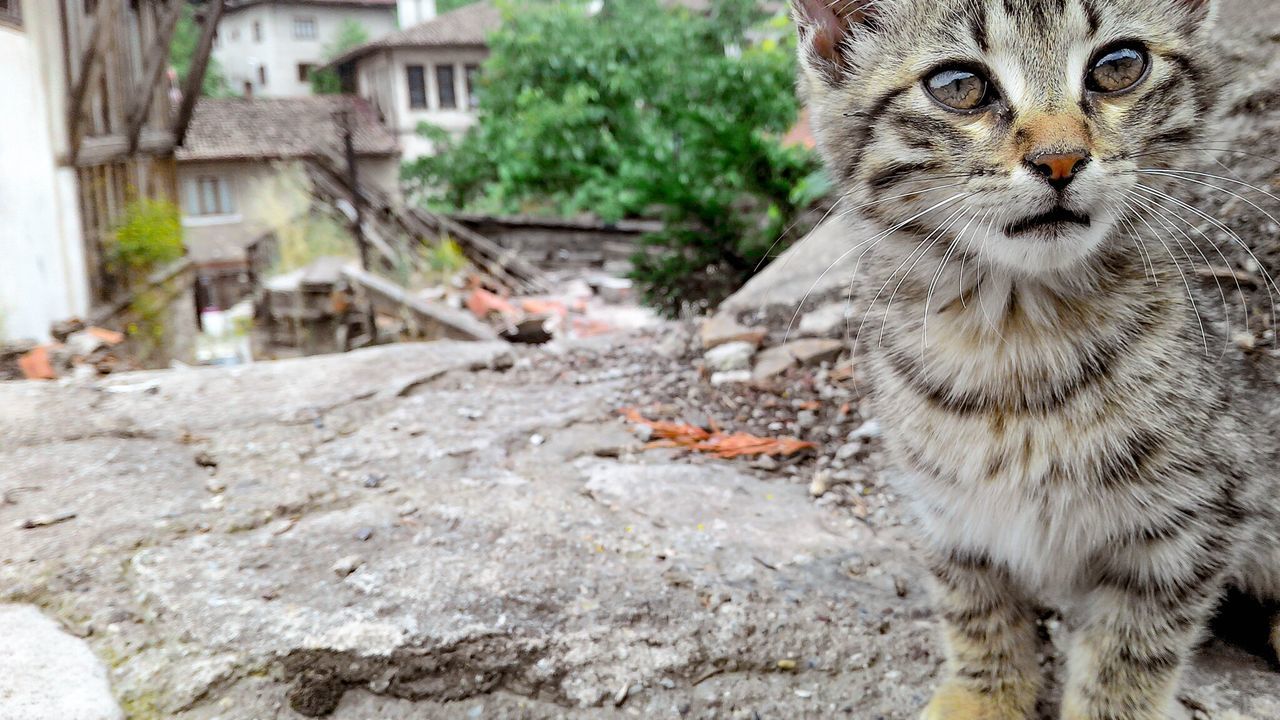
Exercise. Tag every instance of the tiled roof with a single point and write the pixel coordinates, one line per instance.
(468, 26)
(280, 128)
(234, 5)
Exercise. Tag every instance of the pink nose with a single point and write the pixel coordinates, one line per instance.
(1058, 169)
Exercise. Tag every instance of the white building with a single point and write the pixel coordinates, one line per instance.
(42, 276)
(425, 73)
(268, 48)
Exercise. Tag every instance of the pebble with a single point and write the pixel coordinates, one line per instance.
(820, 484)
(731, 377)
(347, 565)
(867, 431)
(537, 440)
(364, 534)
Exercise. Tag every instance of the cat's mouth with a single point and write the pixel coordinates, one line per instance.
(1048, 221)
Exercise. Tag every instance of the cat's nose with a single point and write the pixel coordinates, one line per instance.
(1058, 168)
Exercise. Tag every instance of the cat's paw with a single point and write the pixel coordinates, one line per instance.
(953, 701)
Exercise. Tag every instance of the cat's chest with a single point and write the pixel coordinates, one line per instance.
(1000, 439)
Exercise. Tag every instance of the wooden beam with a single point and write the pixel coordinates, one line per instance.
(195, 74)
(144, 91)
(103, 18)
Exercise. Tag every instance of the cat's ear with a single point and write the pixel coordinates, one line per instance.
(825, 25)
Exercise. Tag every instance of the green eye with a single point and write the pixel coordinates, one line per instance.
(959, 88)
(1118, 68)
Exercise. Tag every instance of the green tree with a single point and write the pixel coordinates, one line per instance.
(350, 34)
(185, 38)
(444, 6)
(639, 110)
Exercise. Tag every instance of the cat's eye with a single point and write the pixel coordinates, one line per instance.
(1118, 68)
(960, 88)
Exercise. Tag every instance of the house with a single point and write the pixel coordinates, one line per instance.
(425, 73)
(268, 48)
(92, 130)
(232, 174)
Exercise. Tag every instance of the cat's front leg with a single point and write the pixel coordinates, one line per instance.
(1140, 624)
(990, 632)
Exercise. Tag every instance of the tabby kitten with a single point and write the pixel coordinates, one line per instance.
(1033, 351)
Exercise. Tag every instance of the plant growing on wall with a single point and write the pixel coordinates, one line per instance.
(148, 238)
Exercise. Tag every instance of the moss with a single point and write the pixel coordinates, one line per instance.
(142, 706)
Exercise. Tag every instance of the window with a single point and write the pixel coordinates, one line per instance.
(417, 86)
(444, 85)
(305, 70)
(11, 12)
(473, 81)
(207, 195)
(257, 31)
(262, 75)
(304, 28)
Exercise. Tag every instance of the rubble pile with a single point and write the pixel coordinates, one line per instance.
(77, 351)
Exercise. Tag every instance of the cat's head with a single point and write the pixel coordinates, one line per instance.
(1025, 119)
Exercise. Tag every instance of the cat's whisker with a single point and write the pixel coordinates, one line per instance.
(1204, 336)
(850, 251)
(1244, 302)
(1161, 215)
(1190, 174)
(942, 266)
(1270, 281)
(871, 304)
(940, 234)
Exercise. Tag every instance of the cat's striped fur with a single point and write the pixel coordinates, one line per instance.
(1060, 428)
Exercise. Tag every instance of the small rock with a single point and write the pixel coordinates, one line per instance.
(206, 460)
(1245, 340)
(347, 565)
(730, 356)
(787, 665)
(868, 430)
(364, 534)
(537, 440)
(734, 377)
(621, 696)
(827, 321)
(849, 450)
(799, 353)
(806, 419)
(803, 694)
(373, 480)
(215, 486)
(820, 484)
(765, 462)
(722, 329)
(643, 432)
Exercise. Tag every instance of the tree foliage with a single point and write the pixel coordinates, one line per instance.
(638, 110)
(186, 36)
(444, 6)
(350, 34)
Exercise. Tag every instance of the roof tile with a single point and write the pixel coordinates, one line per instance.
(280, 128)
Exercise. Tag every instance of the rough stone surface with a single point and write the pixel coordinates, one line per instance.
(830, 320)
(46, 674)
(453, 531)
(797, 353)
(722, 329)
